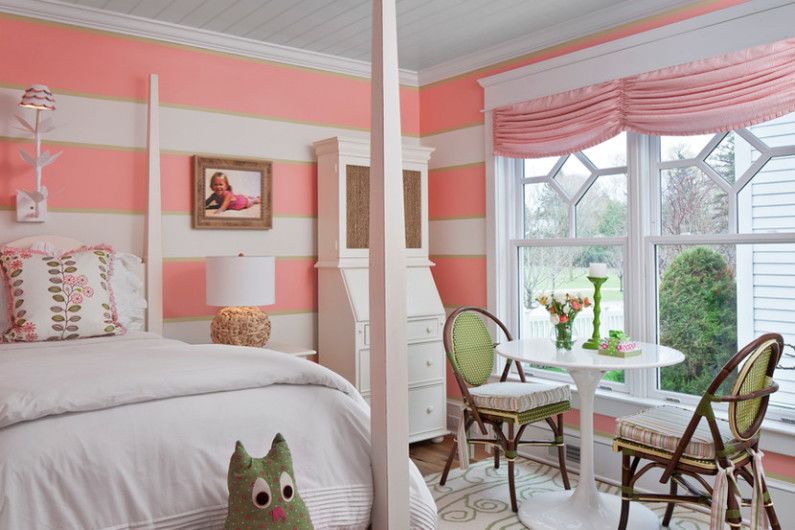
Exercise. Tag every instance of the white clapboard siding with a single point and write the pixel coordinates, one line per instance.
(772, 196)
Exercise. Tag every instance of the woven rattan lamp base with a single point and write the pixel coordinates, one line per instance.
(240, 326)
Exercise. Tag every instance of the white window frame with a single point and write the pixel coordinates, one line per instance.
(642, 238)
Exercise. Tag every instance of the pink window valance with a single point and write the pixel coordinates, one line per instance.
(707, 96)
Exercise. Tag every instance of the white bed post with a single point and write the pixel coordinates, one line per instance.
(153, 253)
(389, 421)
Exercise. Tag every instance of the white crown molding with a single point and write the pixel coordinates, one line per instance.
(88, 17)
(604, 19)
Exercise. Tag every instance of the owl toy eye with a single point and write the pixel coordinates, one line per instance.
(287, 486)
(261, 494)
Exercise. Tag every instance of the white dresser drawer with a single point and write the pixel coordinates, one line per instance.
(427, 409)
(416, 330)
(426, 365)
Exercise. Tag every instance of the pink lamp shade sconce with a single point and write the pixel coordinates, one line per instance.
(32, 204)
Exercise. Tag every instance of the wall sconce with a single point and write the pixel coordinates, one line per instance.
(32, 205)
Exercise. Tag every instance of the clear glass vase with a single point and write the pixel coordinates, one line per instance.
(564, 335)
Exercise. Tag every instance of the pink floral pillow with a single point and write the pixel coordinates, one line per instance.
(59, 297)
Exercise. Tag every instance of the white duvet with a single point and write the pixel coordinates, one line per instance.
(137, 431)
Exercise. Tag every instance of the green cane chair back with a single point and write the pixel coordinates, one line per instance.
(745, 416)
(471, 350)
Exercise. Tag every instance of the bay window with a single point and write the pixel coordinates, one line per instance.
(699, 236)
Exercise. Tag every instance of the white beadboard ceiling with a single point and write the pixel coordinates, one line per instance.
(431, 32)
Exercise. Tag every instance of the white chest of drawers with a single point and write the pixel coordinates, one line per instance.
(343, 298)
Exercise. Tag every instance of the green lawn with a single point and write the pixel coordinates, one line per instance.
(610, 289)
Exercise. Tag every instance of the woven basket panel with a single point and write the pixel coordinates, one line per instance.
(745, 412)
(473, 348)
(240, 326)
(412, 204)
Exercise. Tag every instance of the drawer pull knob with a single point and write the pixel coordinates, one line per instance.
(429, 362)
(429, 410)
(428, 329)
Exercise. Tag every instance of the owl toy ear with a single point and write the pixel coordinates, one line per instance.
(281, 451)
(241, 456)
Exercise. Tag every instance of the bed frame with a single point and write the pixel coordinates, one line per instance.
(152, 269)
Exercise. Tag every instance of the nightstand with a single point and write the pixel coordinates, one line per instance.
(290, 349)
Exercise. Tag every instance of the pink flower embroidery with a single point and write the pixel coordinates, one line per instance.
(14, 265)
(87, 291)
(70, 279)
(82, 280)
(76, 298)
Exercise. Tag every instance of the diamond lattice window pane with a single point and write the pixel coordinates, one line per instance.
(546, 214)
(767, 202)
(572, 175)
(682, 147)
(539, 167)
(692, 203)
(611, 153)
(732, 157)
(602, 212)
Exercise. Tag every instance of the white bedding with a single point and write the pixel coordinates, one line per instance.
(137, 431)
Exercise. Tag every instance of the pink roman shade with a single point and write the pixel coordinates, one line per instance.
(707, 96)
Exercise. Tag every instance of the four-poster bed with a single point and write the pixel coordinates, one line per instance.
(136, 430)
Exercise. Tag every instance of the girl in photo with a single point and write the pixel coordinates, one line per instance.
(222, 198)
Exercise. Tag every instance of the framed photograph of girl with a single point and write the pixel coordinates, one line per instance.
(232, 193)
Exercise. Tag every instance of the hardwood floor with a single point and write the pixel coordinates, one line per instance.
(430, 457)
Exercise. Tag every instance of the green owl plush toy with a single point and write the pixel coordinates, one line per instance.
(262, 491)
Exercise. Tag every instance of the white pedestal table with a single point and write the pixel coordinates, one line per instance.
(585, 508)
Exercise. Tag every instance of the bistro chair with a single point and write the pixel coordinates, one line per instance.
(470, 350)
(673, 440)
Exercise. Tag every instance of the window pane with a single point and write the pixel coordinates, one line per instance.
(682, 147)
(692, 203)
(546, 214)
(610, 153)
(767, 202)
(539, 167)
(715, 299)
(732, 157)
(602, 212)
(572, 175)
(565, 269)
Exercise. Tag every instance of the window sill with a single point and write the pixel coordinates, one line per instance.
(777, 435)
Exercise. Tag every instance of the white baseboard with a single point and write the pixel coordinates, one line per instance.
(608, 463)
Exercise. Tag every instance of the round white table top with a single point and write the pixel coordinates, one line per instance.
(543, 352)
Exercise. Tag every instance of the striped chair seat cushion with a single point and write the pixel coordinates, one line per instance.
(518, 397)
(663, 427)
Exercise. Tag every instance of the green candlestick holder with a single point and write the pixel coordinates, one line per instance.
(596, 338)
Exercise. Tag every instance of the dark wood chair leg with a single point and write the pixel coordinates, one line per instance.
(511, 482)
(564, 473)
(769, 508)
(669, 511)
(626, 477)
(449, 463)
(496, 447)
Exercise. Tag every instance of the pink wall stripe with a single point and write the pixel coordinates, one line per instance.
(457, 102)
(184, 290)
(73, 59)
(461, 280)
(457, 192)
(83, 177)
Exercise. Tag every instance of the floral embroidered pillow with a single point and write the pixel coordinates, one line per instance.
(59, 297)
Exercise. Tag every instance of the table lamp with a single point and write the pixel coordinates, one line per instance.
(237, 284)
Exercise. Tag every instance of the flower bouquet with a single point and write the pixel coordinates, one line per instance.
(563, 307)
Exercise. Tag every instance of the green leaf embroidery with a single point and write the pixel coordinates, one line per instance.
(16, 273)
(74, 318)
(56, 309)
(18, 303)
(57, 327)
(59, 298)
(54, 289)
(57, 318)
(73, 309)
(109, 329)
(70, 269)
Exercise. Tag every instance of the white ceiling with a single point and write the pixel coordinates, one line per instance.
(430, 32)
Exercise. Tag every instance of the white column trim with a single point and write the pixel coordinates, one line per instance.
(154, 232)
(389, 421)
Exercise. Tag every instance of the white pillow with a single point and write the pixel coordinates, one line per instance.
(128, 290)
(60, 297)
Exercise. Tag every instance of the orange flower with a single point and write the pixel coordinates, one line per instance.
(586, 302)
(563, 319)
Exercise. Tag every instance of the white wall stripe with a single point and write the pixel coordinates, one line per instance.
(458, 237)
(298, 329)
(288, 237)
(95, 122)
(453, 148)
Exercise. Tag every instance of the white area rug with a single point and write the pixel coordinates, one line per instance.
(478, 499)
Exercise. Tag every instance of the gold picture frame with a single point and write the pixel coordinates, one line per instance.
(232, 193)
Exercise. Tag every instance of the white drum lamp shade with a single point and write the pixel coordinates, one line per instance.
(238, 284)
(241, 281)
